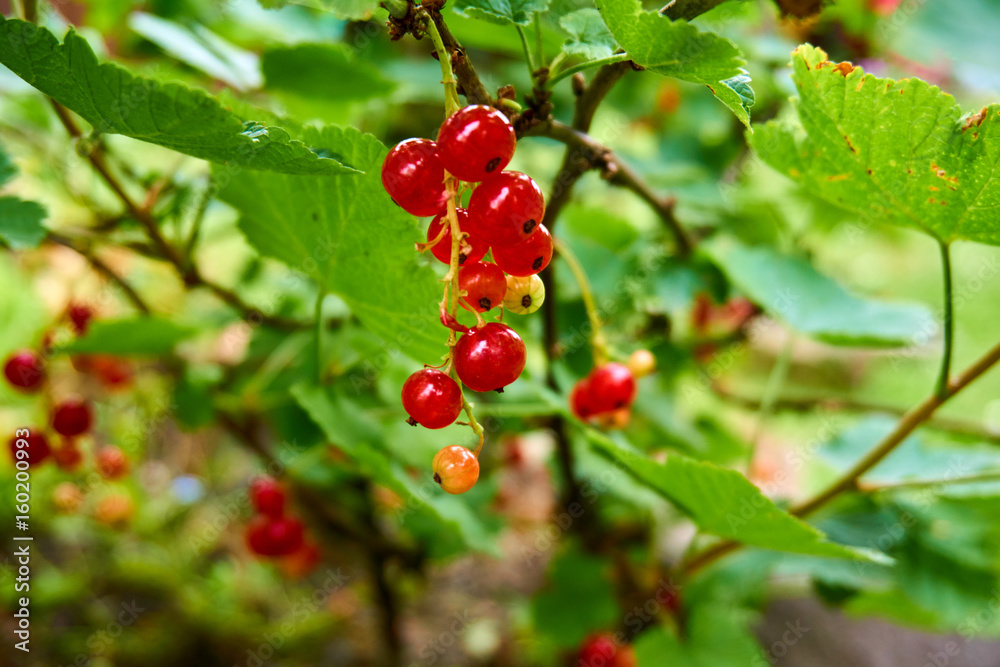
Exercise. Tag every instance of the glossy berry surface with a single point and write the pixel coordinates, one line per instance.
(490, 357)
(456, 469)
(508, 207)
(611, 387)
(36, 451)
(80, 316)
(641, 363)
(24, 370)
(72, 417)
(525, 294)
(432, 398)
(485, 285)
(475, 142)
(580, 400)
(413, 176)
(527, 257)
(267, 496)
(473, 247)
(112, 462)
(602, 651)
(267, 536)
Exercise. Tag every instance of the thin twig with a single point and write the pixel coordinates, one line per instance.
(949, 325)
(105, 270)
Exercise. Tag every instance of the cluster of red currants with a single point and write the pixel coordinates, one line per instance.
(602, 650)
(272, 532)
(503, 218)
(606, 395)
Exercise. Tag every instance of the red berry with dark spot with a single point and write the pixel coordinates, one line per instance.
(111, 462)
(485, 285)
(490, 357)
(267, 496)
(35, 448)
(507, 207)
(431, 398)
(473, 247)
(475, 142)
(580, 400)
(72, 417)
(528, 257)
(456, 469)
(80, 316)
(24, 370)
(611, 387)
(274, 537)
(603, 651)
(413, 176)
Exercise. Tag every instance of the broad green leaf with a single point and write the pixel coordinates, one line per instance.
(717, 634)
(574, 578)
(724, 503)
(889, 151)
(200, 48)
(588, 35)
(347, 10)
(21, 223)
(504, 12)
(680, 50)
(115, 101)
(139, 336)
(324, 71)
(792, 290)
(346, 232)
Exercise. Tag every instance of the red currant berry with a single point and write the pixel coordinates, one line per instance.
(80, 316)
(602, 651)
(68, 457)
(475, 142)
(111, 462)
(431, 398)
(274, 537)
(24, 370)
(581, 402)
(35, 451)
(114, 509)
(528, 257)
(508, 207)
(485, 285)
(473, 245)
(455, 469)
(413, 176)
(490, 357)
(72, 417)
(267, 496)
(612, 387)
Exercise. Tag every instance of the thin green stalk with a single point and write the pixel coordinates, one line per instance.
(986, 476)
(556, 77)
(319, 337)
(528, 57)
(539, 49)
(597, 338)
(775, 382)
(949, 325)
(451, 103)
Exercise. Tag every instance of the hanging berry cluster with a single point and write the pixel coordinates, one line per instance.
(504, 220)
(272, 533)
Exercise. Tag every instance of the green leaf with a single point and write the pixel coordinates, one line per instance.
(8, 169)
(890, 151)
(346, 10)
(680, 50)
(557, 610)
(792, 290)
(325, 71)
(346, 232)
(724, 503)
(140, 336)
(504, 12)
(588, 35)
(200, 48)
(717, 634)
(115, 101)
(21, 223)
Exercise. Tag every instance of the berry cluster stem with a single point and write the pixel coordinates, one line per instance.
(596, 336)
(477, 428)
(451, 104)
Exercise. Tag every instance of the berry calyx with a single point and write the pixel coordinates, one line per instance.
(603, 651)
(525, 294)
(111, 462)
(267, 496)
(431, 398)
(473, 246)
(476, 141)
(641, 363)
(528, 257)
(80, 316)
(24, 370)
(456, 469)
(72, 417)
(274, 537)
(489, 357)
(508, 207)
(413, 176)
(34, 448)
(612, 387)
(484, 284)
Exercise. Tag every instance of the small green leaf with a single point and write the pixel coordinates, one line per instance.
(890, 151)
(504, 12)
(736, 94)
(723, 502)
(140, 336)
(792, 290)
(21, 223)
(346, 232)
(588, 35)
(115, 101)
(324, 71)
